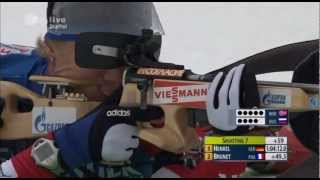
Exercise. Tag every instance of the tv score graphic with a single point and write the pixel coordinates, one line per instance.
(262, 117)
(245, 148)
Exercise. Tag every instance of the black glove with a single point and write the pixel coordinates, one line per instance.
(109, 133)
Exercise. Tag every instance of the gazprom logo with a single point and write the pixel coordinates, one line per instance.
(42, 126)
(269, 98)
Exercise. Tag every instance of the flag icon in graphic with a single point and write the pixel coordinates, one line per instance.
(260, 156)
(283, 112)
(283, 121)
(259, 148)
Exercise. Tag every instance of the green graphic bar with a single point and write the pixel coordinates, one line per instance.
(240, 140)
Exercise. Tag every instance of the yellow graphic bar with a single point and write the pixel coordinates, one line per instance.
(237, 140)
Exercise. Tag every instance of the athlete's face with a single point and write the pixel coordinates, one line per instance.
(63, 64)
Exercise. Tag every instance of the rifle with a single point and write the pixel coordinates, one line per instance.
(181, 116)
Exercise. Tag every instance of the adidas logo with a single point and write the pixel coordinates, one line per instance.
(116, 112)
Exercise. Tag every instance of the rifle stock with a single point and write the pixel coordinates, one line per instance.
(18, 125)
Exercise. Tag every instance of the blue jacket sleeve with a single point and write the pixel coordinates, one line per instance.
(17, 63)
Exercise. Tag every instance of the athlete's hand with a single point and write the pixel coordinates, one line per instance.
(226, 94)
(107, 134)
